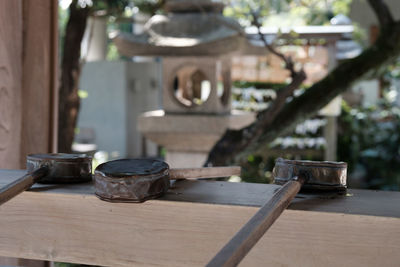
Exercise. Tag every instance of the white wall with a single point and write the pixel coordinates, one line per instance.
(362, 13)
(143, 94)
(118, 92)
(94, 43)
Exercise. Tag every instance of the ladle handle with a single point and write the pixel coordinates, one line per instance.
(208, 172)
(18, 186)
(237, 248)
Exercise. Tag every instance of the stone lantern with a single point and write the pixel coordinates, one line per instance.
(196, 43)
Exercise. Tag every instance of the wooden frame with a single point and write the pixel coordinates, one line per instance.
(28, 79)
(193, 221)
(28, 84)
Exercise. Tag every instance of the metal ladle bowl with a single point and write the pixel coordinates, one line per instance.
(50, 168)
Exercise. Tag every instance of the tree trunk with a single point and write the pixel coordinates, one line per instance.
(233, 147)
(70, 73)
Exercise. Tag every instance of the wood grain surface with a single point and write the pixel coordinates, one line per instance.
(243, 241)
(11, 41)
(70, 224)
(208, 172)
(361, 202)
(39, 83)
(19, 185)
(28, 78)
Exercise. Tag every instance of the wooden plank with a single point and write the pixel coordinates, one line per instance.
(10, 82)
(68, 223)
(81, 228)
(243, 241)
(362, 202)
(224, 193)
(53, 82)
(28, 54)
(197, 173)
(39, 76)
(22, 262)
(300, 238)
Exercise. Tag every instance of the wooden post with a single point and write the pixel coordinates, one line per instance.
(330, 134)
(330, 129)
(28, 67)
(28, 78)
(11, 37)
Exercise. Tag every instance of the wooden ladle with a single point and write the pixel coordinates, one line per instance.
(50, 168)
(294, 175)
(136, 180)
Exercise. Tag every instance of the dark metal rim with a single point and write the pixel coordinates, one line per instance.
(60, 157)
(314, 186)
(105, 170)
(128, 200)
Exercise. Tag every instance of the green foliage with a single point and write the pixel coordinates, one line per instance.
(257, 170)
(294, 12)
(109, 7)
(242, 9)
(115, 10)
(369, 141)
(369, 138)
(149, 6)
(341, 7)
(63, 15)
(258, 85)
(112, 52)
(360, 35)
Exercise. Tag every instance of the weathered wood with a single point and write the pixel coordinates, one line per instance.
(10, 83)
(28, 54)
(39, 77)
(197, 173)
(18, 186)
(244, 240)
(10, 87)
(361, 202)
(368, 64)
(68, 223)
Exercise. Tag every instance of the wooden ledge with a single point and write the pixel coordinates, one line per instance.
(361, 202)
(193, 221)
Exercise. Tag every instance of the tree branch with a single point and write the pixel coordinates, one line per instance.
(385, 51)
(289, 65)
(298, 77)
(282, 117)
(70, 72)
(234, 142)
(382, 12)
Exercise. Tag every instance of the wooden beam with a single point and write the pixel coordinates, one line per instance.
(39, 64)
(361, 202)
(10, 83)
(28, 95)
(28, 66)
(68, 223)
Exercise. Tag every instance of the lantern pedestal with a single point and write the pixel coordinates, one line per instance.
(188, 139)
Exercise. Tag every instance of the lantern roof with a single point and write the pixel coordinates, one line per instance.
(190, 28)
